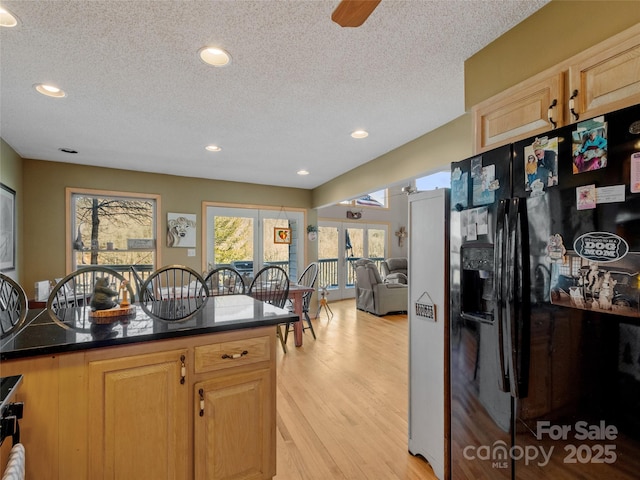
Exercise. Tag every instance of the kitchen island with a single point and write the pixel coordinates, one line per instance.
(149, 399)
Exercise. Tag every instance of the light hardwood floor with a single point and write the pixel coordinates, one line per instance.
(342, 401)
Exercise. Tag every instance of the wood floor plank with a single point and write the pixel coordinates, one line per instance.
(343, 400)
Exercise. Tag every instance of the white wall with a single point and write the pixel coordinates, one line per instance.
(395, 216)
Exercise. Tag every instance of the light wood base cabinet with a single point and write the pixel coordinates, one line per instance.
(138, 417)
(233, 428)
(134, 411)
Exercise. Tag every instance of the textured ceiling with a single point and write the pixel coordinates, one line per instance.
(139, 98)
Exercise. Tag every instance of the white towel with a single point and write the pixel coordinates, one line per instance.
(15, 465)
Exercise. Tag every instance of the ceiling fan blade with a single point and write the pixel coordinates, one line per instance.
(353, 13)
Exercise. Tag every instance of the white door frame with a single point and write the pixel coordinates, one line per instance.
(258, 215)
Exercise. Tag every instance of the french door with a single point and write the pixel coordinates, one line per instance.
(246, 239)
(340, 244)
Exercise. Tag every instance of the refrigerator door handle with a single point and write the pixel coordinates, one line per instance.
(520, 320)
(499, 256)
(509, 294)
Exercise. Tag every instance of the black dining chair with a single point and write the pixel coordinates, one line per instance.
(137, 280)
(308, 279)
(224, 281)
(13, 305)
(271, 285)
(173, 292)
(74, 296)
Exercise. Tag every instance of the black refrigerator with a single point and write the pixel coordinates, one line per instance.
(545, 306)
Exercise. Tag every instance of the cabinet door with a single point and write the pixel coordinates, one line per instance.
(519, 112)
(137, 417)
(40, 427)
(606, 77)
(234, 432)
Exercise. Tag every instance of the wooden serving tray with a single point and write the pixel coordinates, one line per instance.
(111, 315)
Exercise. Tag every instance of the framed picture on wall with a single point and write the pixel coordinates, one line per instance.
(282, 235)
(181, 230)
(7, 228)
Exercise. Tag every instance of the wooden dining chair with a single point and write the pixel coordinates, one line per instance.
(308, 279)
(13, 305)
(225, 281)
(173, 292)
(73, 297)
(271, 285)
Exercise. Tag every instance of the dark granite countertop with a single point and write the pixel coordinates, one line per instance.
(42, 335)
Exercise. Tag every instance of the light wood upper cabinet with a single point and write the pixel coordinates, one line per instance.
(603, 78)
(519, 112)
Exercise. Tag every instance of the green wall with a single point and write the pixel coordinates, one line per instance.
(556, 32)
(421, 156)
(11, 176)
(559, 30)
(44, 208)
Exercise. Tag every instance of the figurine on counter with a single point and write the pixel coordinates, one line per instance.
(102, 295)
(123, 289)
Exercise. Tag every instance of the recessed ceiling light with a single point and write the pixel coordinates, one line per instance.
(360, 134)
(7, 19)
(213, 148)
(49, 90)
(303, 172)
(214, 56)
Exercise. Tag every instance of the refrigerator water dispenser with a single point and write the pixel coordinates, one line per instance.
(477, 286)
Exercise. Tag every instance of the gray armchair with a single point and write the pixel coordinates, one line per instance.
(394, 270)
(375, 296)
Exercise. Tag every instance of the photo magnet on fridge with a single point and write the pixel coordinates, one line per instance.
(541, 165)
(459, 189)
(586, 197)
(635, 173)
(556, 250)
(589, 145)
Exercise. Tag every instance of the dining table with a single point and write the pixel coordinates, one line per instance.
(296, 294)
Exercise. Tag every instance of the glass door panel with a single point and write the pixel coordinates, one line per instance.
(340, 244)
(376, 243)
(354, 249)
(276, 244)
(233, 244)
(245, 239)
(328, 246)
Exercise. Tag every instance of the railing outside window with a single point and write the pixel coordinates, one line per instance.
(328, 270)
